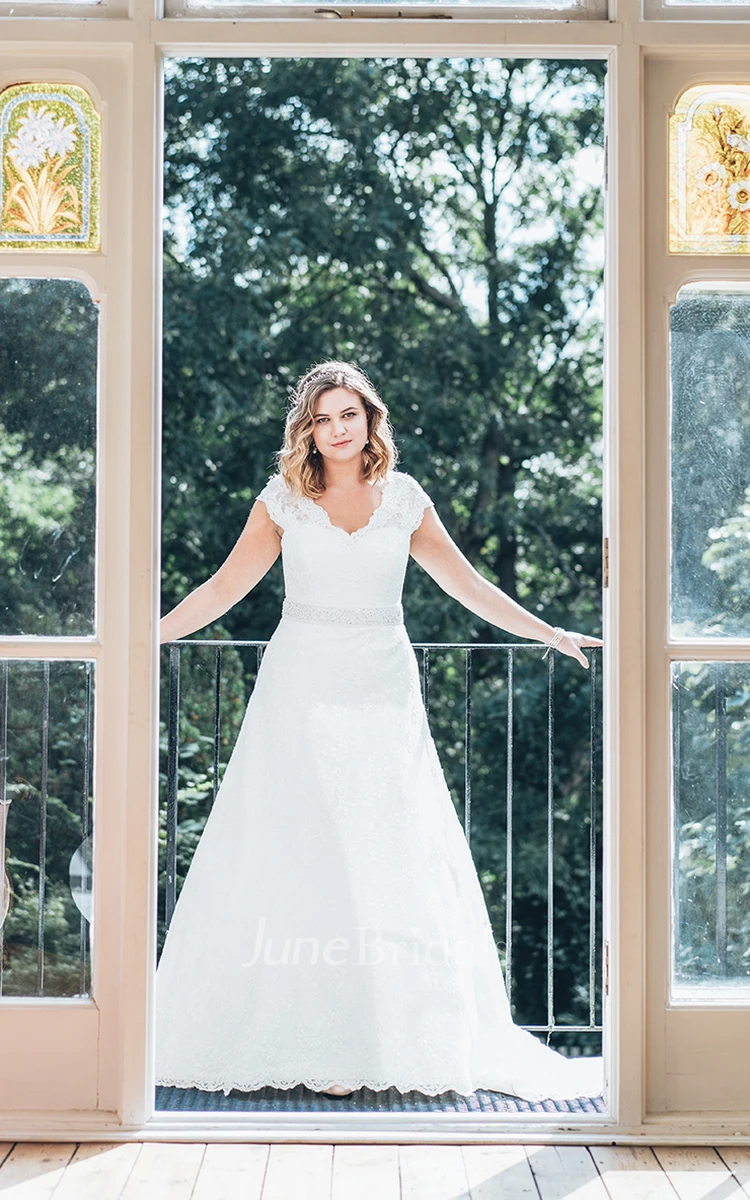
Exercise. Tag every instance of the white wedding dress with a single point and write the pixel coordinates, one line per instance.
(332, 928)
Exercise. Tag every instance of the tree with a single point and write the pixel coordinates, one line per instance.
(437, 221)
(430, 219)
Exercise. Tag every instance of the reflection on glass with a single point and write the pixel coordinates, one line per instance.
(710, 553)
(711, 757)
(48, 363)
(45, 790)
(4, 879)
(709, 171)
(81, 875)
(49, 168)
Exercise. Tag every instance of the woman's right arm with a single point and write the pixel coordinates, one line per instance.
(253, 554)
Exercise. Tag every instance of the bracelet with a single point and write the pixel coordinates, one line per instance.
(559, 635)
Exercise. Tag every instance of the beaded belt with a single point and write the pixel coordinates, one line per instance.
(392, 614)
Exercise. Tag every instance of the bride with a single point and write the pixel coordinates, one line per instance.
(331, 929)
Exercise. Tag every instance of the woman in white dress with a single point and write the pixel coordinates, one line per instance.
(331, 929)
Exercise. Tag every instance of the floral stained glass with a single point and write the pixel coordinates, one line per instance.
(49, 168)
(709, 171)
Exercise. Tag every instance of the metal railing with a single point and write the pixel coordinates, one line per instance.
(75, 966)
(509, 655)
(700, 759)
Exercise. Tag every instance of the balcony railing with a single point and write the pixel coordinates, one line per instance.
(499, 665)
(499, 713)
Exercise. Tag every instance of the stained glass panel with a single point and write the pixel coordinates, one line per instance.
(50, 168)
(709, 171)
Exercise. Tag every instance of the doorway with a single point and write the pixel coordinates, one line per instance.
(439, 221)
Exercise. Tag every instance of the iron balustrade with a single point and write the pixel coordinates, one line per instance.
(48, 730)
(425, 651)
(510, 652)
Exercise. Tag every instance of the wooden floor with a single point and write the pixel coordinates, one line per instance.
(194, 1171)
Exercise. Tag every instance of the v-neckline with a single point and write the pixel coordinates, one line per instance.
(363, 528)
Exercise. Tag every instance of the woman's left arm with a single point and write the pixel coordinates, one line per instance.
(436, 552)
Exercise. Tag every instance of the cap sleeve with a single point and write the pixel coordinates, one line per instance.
(416, 500)
(275, 496)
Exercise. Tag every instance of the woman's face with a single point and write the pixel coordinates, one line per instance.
(339, 425)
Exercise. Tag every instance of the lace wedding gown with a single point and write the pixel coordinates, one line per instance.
(332, 928)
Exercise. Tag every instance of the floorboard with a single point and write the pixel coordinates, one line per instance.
(33, 1170)
(230, 1170)
(298, 1170)
(565, 1173)
(433, 1173)
(165, 1170)
(699, 1173)
(499, 1173)
(367, 1172)
(281, 1171)
(632, 1173)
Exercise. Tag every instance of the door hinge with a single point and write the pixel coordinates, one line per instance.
(605, 563)
(606, 968)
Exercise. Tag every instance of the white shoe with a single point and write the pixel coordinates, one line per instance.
(338, 1090)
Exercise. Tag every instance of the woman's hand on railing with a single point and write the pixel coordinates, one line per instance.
(570, 643)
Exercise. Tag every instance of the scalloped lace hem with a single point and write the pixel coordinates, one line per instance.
(375, 1085)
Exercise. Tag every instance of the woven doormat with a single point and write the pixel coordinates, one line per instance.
(301, 1099)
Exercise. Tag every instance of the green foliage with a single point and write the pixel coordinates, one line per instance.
(48, 365)
(710, 353)
(431, 220)
(712, 710)
(438, 222)
(728, 558)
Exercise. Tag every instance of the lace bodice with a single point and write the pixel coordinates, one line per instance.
(325, 565)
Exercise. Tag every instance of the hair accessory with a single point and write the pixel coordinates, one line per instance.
(559, 635)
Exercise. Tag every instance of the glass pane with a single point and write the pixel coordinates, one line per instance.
(45, 827)
(710, 366)
(704, 3)
(48, 362)
(709, 171)
(49, 168)
(711, 722)
(565, 5)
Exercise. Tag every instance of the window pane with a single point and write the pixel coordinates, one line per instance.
(45, 827)
(711, 721)
(709, 171)
(48, 359)
(710, 366)
(705, 3)
(562, 5)
(49, 157)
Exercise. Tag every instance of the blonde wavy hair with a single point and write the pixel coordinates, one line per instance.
(303, 470)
